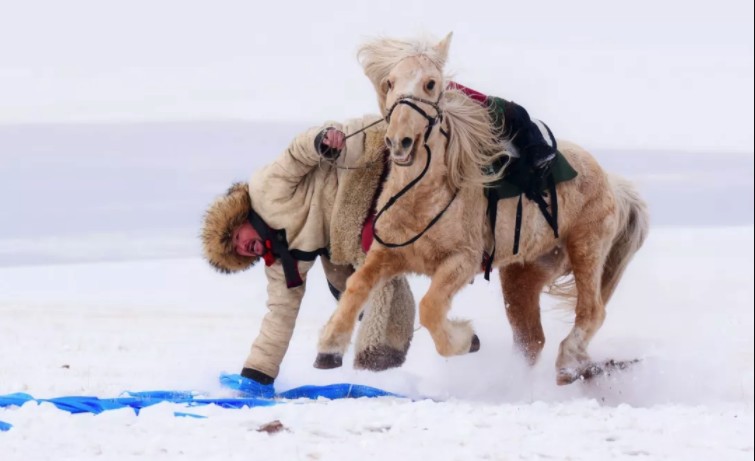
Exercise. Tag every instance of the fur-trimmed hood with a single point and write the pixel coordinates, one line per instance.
(355, 192)
(224, 215)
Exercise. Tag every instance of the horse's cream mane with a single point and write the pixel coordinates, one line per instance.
(472, 145)
(378, 57)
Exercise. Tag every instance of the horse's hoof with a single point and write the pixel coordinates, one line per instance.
(592, 369)
(566, 376)
(475, 344)
(328, 361)
(379, 358)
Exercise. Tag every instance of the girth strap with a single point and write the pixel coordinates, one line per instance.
(551, 217)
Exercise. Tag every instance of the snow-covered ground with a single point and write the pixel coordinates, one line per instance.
(102, 291)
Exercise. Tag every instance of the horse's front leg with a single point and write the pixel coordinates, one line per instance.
(381, 264)
(451, 337)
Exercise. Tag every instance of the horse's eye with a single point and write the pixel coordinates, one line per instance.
(430, 85)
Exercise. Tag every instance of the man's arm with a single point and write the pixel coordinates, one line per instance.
(282, 178)
(277, 327)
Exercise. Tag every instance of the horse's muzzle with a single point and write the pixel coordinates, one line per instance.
(399, 154)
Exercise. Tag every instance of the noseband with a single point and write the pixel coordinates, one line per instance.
(431, 122)
(408, 98)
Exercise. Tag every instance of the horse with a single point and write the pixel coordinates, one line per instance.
(433, 220)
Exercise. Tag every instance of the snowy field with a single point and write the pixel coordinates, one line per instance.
(102, 291)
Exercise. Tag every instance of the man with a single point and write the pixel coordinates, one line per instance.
(300, 207)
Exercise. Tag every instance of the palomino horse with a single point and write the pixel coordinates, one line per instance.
(602, 220)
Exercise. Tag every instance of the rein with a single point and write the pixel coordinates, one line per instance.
(364, 128)
(342, 167)
(431, 122)
(360, 167)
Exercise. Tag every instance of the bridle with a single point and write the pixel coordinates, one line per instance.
(404, 99)
(431, 121)
(408, 99)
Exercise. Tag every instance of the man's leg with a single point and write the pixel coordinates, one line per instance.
(336, 276)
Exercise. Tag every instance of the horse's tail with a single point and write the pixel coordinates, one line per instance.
(630, 234)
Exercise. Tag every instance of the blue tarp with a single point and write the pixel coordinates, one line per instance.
(16, 399)
(251, 394)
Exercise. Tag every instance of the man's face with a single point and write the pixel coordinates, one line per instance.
(247, 241)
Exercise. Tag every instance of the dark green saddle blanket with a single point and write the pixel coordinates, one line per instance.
(519, 180)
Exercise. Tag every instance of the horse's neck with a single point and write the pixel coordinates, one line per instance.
(429, 194)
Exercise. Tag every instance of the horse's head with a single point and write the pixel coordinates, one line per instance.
(413, 90)
(412, 94)
(409, 79)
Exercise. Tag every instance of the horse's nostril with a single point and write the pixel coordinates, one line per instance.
(388, 141)
(406, 142)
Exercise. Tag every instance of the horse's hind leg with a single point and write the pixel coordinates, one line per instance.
(450, 337)
(587, 248)
(336, 334)
(522, 285)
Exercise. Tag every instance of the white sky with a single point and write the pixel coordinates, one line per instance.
(641, 74)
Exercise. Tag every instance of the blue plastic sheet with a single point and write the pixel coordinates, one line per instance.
(251, 388)
(17, 399)
(246, 386)
(335, 391)
(251, 394)
(181, 414)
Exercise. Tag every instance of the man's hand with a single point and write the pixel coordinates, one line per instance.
(335, 139)
(248, 386)
(330, 142)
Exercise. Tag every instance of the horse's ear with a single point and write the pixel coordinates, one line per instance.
(383, 87)
(442, 47)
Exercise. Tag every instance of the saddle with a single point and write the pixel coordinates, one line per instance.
(522, 177)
